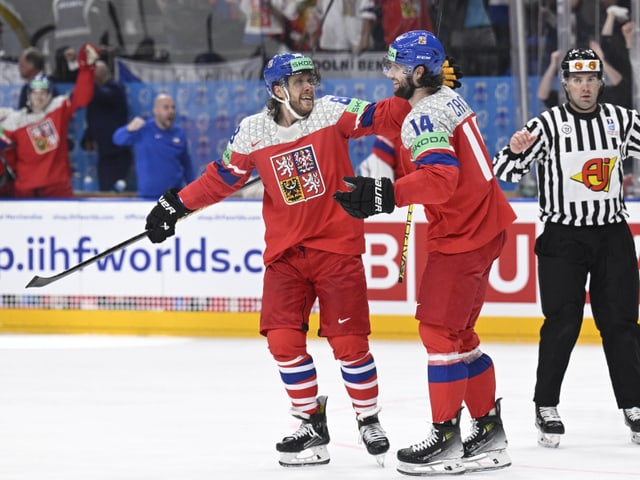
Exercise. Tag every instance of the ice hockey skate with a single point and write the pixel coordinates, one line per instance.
(372, 435)
(549, 425)
(632, 420)
(486, 446)
(308, 445)
(439, 454)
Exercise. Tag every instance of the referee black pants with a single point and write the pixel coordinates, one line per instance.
(606, 256)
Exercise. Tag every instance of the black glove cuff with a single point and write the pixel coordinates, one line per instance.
(388, 199)
(170, 200)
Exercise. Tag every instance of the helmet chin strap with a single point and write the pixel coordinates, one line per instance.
(287, 104)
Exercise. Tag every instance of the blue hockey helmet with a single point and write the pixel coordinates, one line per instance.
(415, 48)
(283, 65)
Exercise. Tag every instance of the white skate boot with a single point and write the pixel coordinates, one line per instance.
(307, 445)
(549, 425)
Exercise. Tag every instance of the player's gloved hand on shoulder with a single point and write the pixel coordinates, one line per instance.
(452, 73)
(367, 196)
(161, 221)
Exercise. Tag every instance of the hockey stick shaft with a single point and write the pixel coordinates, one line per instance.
(409, 221)
(44, 281)
(405, 244)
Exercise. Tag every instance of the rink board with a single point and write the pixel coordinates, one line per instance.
(207, 280)
(220, 324)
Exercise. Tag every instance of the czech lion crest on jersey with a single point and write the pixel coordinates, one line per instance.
(298, 175)
(43, 136)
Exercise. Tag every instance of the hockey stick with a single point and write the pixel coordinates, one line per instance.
(44, 281)
(409, 221)
(405, 244)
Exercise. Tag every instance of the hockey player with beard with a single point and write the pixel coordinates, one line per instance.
(299, 146)
(39, 133)
(468, 215)
(579, 149)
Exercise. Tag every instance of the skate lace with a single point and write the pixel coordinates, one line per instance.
(427, 442)
(372, 433)
(632, 413)
(549, 414)
(305, 429)
(475, 431)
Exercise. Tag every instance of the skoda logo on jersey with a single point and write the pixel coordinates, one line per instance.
(298, 175)
(427, 141)
(566, 129)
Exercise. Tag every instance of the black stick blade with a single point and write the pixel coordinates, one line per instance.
(41, 281)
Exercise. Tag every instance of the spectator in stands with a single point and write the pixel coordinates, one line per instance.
(269, 20)
(7, 160)
(39, 133)
(66, 65)
(160, 149)
(107, 111)
(616, 65)
(399, 16)
(613, 51)
(30, 65)
(590, 17)
(629, 37)
(300, 35)
(7, 173)
(470, 36)
(547, 91)
(343, 25)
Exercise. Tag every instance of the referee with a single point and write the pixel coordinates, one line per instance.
(579, 148)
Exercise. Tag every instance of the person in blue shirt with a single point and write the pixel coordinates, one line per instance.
(160, 149)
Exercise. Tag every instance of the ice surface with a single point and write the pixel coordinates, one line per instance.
(84, 407)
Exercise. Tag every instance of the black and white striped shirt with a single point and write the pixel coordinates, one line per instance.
(579, 163)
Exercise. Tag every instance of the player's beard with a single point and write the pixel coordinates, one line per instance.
(302, 108)
(405, 89)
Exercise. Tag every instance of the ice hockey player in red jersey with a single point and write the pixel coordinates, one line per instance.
(39, 132)
(299, 146)
(468, 215)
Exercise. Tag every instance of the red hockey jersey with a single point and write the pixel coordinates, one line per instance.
(301, 167)
(454, 180)
(40, 139)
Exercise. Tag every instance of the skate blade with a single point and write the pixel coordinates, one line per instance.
(318, 455)
(635, 437)
(380, 459)
(548, 440)
(444, 467)
(493, 460)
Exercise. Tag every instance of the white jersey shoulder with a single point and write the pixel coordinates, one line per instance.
(20, 118)
(441, 111)
(259, 131)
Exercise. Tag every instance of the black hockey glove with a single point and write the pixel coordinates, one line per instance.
(161, 221)
(368, 196)
(452, 73)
